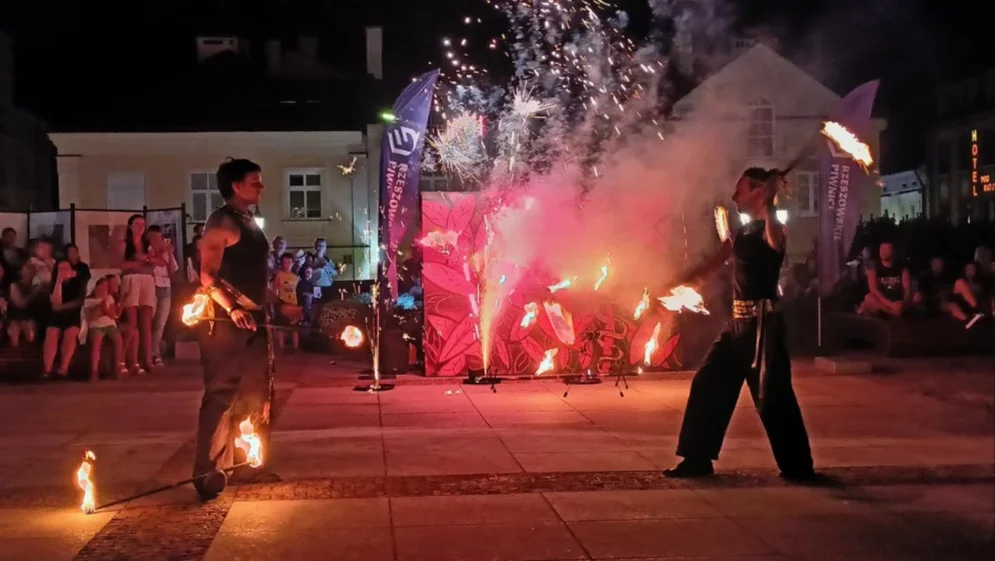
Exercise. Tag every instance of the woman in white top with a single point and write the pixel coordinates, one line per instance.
(100, 311)
(137, 295)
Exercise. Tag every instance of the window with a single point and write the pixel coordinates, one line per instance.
(204, 195)
(304, 193)
(760, 131)
(126, 191)
(807, 192)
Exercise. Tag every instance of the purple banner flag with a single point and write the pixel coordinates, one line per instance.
(400, 167)
(843, 188)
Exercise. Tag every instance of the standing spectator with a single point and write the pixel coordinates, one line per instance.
(198, 232)
(306, 294)
(325, 269)
(21, 307)
(12, 257)
(288, 310)
(193, 262)
(164, 266)
(889, 286)
(275, 256)
(101, 312)
(64, 320)
(82, 269)
(137, 295)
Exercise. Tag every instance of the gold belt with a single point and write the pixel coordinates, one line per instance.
(749, 309)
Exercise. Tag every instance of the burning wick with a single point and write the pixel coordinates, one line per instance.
(193, 311)
(684, 298)
(250, 443)
(565, 283)
(351, 336)
(604, 273)
(848, 142)
(531, 311)
(83, 482)
(548, 363)
(651, 346)
(643, 305)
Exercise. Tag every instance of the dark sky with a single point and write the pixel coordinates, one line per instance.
(107, 49)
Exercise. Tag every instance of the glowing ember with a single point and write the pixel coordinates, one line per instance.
(351, 336)
(684, 298)
(194, 311)
(531, 311)
(250, 443)
(643, 305)
(604, 273)
(651, 346)
(848, 142)
(565, 283)
(83, 482)
(548, 363)
(348, 169)
(722, 223)
(440, 241)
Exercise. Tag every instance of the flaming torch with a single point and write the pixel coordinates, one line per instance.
(848, 142)
(651, 346)
(643, 305)
(351, 336)
(604, 273)
(684, 298)
(194, 311)
(250, 443)
(565, 283)
(548, 363)
(531, 312)
(83, 481)
(722, 223)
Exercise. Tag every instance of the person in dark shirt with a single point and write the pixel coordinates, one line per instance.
(934, 289)
(11, 256)
(889, 286)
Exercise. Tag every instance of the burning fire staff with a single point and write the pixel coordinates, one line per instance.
(235, 353)
(752, 347)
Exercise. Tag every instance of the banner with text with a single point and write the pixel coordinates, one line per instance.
(842, 189)
(400, 164)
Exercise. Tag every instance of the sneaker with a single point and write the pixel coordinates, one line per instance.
(690, 467)
(157, 362)
(138, 370)
(970, 323)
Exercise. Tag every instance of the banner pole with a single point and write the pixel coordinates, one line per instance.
(819, 326)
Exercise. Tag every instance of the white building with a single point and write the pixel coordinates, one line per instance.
(902, 194)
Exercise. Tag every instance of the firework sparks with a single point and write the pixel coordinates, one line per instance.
(348, 169)
(848, 142)
(548, 363)
(604, 273)
(644, 304)
(531, 312)
(460, 145)
(524, 106)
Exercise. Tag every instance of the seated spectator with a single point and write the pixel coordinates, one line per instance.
(100, 312)
(973, 296)
(82, 269)
(63, 321)
(21, 306)
(288, 311)
(43, 263)
(934, 290)
(11, 256)
(889, 286)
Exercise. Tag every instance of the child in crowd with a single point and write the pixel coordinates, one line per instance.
(21, 306)
(307, 293)
(101, 312)
(43, 263)
(288, 310)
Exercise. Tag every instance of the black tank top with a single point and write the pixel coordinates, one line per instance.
(890, 282)
(756, 266)
(245, 264)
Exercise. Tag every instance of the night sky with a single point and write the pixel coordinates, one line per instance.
(93, 54)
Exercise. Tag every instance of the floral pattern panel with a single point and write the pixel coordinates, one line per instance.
(605, 338)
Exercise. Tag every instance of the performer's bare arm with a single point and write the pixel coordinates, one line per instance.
(707, 268)
(220, 232)
(775, 233)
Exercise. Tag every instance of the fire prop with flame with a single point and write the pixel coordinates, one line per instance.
(651, 346)
(684, 298)
(351, 336)
(250, 443)
(84, 482)
(604, 273)
(548, 363)
(194, 311)
(848, 142)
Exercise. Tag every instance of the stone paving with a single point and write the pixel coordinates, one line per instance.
(438, 471)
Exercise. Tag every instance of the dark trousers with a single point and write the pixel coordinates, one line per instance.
(715, 390)
(236, 386)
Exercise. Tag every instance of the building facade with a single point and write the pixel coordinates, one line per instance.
(902, 194)
(763, 111)
(318, 184)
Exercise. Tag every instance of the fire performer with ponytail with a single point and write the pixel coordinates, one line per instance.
(236, 354)
(752, 347)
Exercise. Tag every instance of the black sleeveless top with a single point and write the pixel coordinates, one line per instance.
(245, 264)
(890, 282)
(756, 266)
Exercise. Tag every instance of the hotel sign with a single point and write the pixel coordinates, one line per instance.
(980, 182)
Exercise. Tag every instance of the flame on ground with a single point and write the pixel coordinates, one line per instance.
(531, 312)
(352, 336)
(604, 273)
(194, 311)
(848, 142)
(548, 363)
(565, 283)
(643, 305)
(250, 443)
(651, 346)
(684, 298)
(83, 482)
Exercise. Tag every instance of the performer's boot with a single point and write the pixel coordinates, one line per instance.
(800, 474)
(691, 467)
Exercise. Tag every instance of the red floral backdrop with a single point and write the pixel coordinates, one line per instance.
(607, 338)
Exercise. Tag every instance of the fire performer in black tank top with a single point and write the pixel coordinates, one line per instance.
(752, 347)
(236, 354)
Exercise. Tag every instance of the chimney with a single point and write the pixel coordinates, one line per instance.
(374, 52)
(308, 46)
(274, 52)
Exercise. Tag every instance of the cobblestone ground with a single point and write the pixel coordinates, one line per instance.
(439, 471)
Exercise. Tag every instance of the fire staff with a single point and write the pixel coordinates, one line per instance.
(752, 347)
(236, 355)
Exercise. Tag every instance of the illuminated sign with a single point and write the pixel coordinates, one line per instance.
(980, 182)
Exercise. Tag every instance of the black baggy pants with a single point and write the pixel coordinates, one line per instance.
(237, 385)
(716, 387)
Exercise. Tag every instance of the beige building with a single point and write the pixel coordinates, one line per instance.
(318, 184)
(767, 110)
